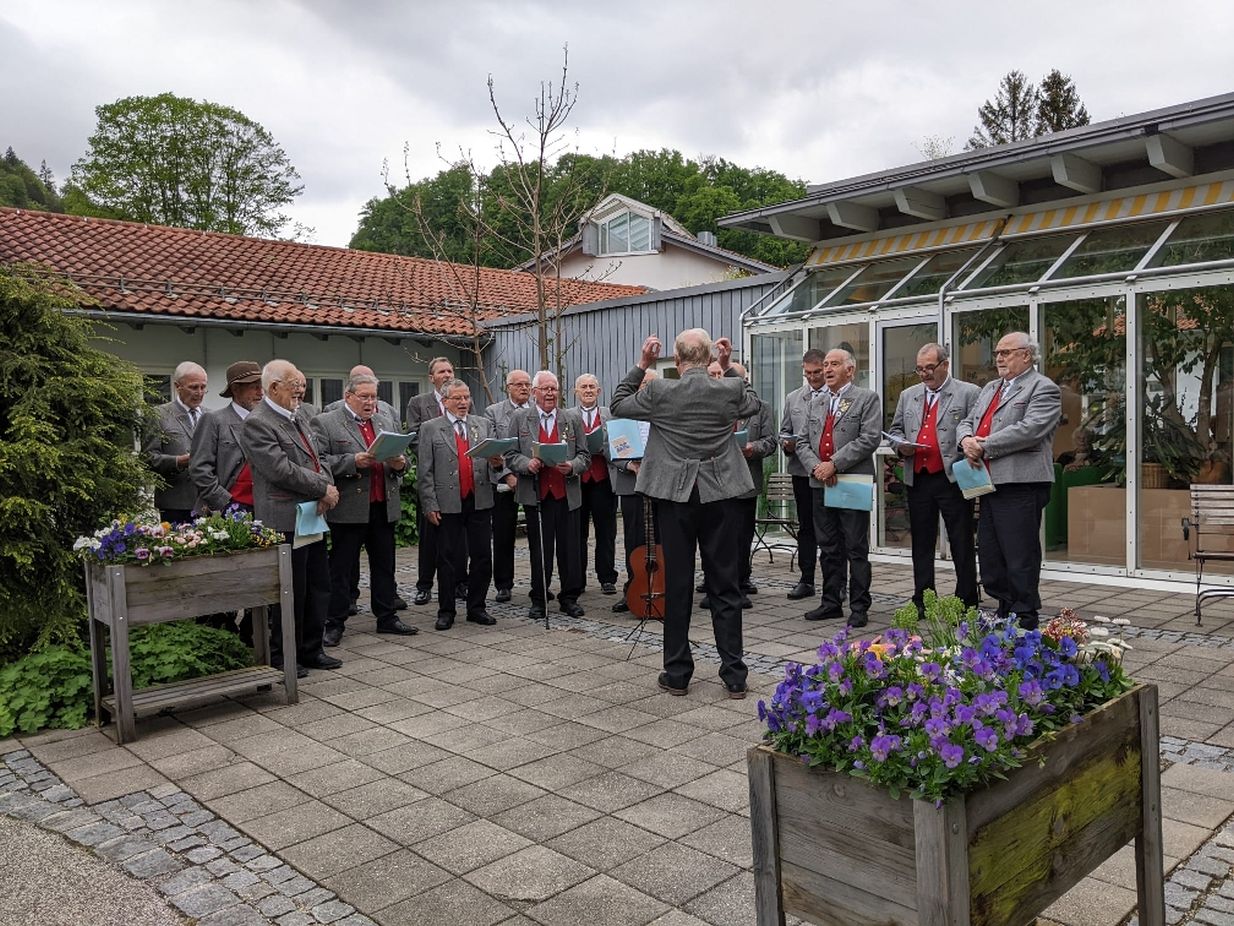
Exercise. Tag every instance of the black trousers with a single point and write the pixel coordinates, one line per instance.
(554, 522)
(175, 515)
(426, 555)
(1009, 539)
(310, 593)
(844, 551)
(505, 526)
(749, 510)
(932, 495)
(633, 527)
(807, 544)
(599, 505)
(711, 529)
(469, 531)
(377, 537)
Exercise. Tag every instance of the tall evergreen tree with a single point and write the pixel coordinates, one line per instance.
(22, 187)
(1010, 116)
(1058, 105)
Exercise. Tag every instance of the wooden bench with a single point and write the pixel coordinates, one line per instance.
(781, 515)
(1211, 527)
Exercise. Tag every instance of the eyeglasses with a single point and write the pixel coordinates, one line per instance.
(1008, 352)
(927, 370)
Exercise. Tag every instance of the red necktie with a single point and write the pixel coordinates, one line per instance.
(987, 420)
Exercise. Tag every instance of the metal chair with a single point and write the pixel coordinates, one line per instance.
(1212, 522)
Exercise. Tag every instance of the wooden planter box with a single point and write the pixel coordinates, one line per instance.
(121, 597)
(836, 851)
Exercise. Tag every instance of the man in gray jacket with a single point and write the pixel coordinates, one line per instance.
(550, 494)
(169, 439)
(505, 508)
(923, 432)
(695, 472)
(369, 506)
(844, 430)
(287, 470)
(456, 493)
(792, 427)
(422, 408)
(220, 472)
(1010, 430)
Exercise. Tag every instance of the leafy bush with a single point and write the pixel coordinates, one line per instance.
(405, 534)
(68, 414)
(52, 687)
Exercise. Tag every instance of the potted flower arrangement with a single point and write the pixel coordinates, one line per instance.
(142, 571)
(938, 774)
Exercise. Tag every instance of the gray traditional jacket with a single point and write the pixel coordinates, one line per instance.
(525, 425)
(856, 432)
(216, 457)
(170, 435)
(955, 400)
(1020, 447)
(283, 471)
(437, 475)
(338, 435)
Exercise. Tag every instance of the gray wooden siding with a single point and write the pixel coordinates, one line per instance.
(605, 338)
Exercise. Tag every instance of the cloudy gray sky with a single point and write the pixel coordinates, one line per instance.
(820, 90)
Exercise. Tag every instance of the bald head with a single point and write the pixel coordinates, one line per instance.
(692, 348)
(361, 370)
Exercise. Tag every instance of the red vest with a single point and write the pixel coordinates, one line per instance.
(377, 472)
(466, 475)
(987, 420)
(598, 470)
(552, 481)
(929, 459)
(827, 444)
(242, 491)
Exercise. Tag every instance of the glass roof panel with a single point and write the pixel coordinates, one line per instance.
(874, 281)
(1198, 239)
(930, 279)
(1111, 250)
(1021, 262)
(810, 291)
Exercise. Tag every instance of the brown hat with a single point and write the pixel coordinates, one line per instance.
(242, 371)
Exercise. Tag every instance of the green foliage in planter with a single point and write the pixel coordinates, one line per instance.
(52, 687)
(68, 413)
(405, 534)
(941, 622)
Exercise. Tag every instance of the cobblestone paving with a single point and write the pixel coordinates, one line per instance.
(205, 868)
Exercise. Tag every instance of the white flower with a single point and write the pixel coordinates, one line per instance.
(1121, 621)
(1101, 620)
(1099, 632)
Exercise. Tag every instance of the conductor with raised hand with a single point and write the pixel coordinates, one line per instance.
(694, 471)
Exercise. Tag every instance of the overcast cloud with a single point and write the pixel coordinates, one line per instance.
(818, 90)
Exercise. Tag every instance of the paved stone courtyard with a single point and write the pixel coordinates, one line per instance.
(518, 775)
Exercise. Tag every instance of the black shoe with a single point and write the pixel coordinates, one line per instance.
(801, 590)
(549, 596)
(535, 612)
(571, 609)
(332, 634)
(352, 610)
(666, 685)
(301, 671)
(1028, 621)
(460, 590)
(397, 626)
(423, 596)
(503, 594)
(482, 617)
(735, 691)
(620, 607)
(858, 620)
(749, 587)
(701, 587)
(705, 604)
(822, 614)
(322, 661)
(746, 602)
(399, 603)
(608, 588)
(444, 622)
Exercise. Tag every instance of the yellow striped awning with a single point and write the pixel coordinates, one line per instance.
(1059, 217)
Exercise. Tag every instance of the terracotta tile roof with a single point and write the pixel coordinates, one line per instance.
(131, 267)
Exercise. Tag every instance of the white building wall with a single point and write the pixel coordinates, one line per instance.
(673, 268)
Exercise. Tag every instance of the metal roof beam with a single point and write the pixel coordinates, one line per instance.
(797, 227)
(993, 189)
(1170, 156)
(854, 216)
(1075, 173)
(921, 203)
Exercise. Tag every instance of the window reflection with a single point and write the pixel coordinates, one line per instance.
(810, 291)
(873, 282)
(1198, 238)
(1111, 250)
(976, 333)
(1021, 262)
(930, 279)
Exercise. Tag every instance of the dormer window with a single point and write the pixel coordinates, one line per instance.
(626, 233)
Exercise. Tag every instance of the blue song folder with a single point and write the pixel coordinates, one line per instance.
(972, 480)
(310, 526)
(852, 490)
(626, 438)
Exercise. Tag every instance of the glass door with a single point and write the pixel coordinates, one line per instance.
(898, 343)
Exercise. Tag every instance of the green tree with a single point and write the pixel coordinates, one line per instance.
(1058, 104)
(176, 161)
(392, 223)
(23, 188)
(1010, 116)
(68, 413)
